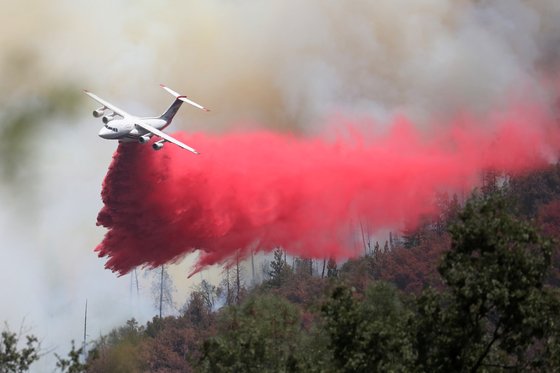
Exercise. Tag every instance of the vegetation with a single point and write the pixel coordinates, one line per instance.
(474, 289)
(495, 310)
(73, 364)
(470, 290)
(14, 357)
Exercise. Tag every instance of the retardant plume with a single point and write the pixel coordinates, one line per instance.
(270, 190)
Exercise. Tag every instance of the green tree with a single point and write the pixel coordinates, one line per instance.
(261, 335)
(72, 364)
(12, 357)
(496, 314)
(280, 271)
(370, 334)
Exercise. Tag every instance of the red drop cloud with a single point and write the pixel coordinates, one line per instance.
(266, 189)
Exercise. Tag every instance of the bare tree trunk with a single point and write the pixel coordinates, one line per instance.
(228, 300)
(323, 271)
(363, 238)
(85, 334)
(161, 293)
(252, 267)
(237, 279)
(137, 285)
(134, 283)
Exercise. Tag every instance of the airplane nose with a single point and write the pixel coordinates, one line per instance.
(104, 133)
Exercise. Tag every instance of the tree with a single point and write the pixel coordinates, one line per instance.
(209, 293)
(449, 209)
(386, 247)
(497, 314)
(73, 363)
(228, 286)
(411, 237)
(119, 351)
(548, 218)
(173, 344)
(261, 335)
(239, 283)
(233, 283)
(357, 272)
(280, 271)
(535, 189)
(162, 290)
(376, 249)
(490, 182)
(332, 270)
(199, 309)
(370, 334)
(303, 267)
(12, 357)
(413, 269)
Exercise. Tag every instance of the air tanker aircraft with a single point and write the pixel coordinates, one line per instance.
(119, 125)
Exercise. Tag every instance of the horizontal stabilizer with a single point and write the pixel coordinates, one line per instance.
(183, 98)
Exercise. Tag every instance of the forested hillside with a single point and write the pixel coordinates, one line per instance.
(473, 289)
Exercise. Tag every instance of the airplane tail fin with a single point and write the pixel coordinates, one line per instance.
(179, 99)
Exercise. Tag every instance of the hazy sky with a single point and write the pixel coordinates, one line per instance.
(283, 65)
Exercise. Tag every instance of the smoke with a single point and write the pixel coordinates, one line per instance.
(267, 190)
(249, 64)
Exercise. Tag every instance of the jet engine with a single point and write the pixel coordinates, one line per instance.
(107, 118)
(144, 139)
(98, 112)
(157, 145)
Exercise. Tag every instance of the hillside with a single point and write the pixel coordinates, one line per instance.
(473, 289)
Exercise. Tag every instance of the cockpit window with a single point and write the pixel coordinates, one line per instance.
(111, 128)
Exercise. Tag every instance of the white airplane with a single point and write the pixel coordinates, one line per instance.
(119, 125)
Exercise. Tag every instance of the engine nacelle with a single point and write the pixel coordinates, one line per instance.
(144, 139)
(107, 118)
(157, 145)
(98, 112)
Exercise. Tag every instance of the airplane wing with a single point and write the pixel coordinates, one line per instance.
(165, 136)
(108, 105)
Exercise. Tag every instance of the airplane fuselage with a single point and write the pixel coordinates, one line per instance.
(126, 130)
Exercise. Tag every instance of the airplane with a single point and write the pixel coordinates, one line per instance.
(119, 125)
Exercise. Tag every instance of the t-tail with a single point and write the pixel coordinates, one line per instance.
(179, 99)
